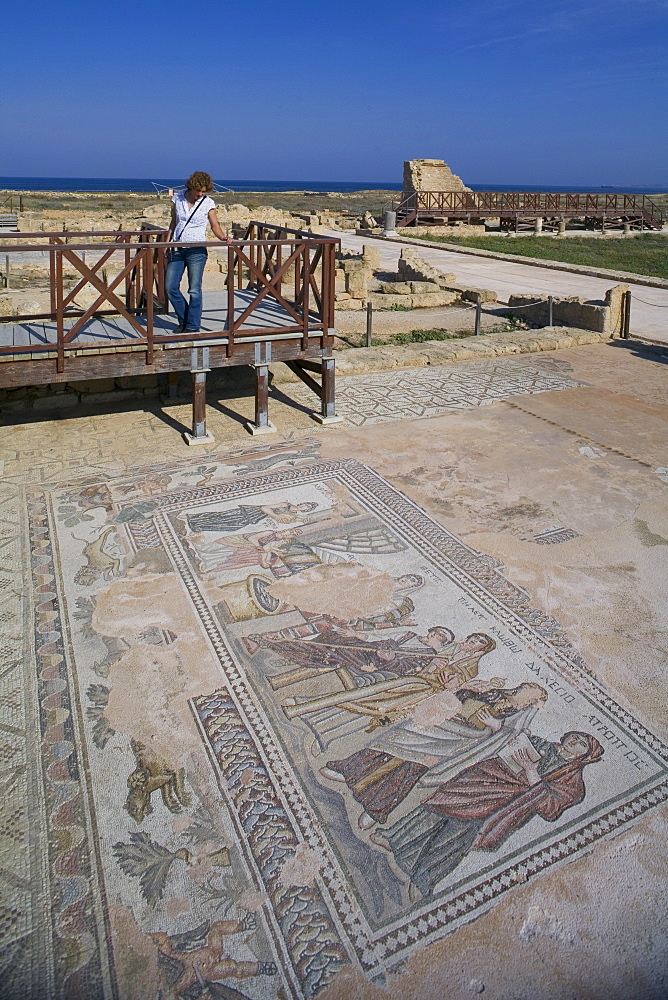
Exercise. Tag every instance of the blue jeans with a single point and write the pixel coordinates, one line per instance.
(189, 314)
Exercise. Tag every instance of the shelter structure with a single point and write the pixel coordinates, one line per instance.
(277, 305)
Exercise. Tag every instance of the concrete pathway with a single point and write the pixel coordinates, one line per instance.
(649, 314)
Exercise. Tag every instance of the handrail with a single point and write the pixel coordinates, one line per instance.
(549, 201)
(263, 263)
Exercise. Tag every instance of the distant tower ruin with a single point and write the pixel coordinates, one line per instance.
(430, 175)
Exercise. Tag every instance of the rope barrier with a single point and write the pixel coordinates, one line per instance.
(657, 305)
(527, 305)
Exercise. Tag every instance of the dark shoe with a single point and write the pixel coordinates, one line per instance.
(191, 329)
(178, 329)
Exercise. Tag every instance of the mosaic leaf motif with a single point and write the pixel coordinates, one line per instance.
(148, 861)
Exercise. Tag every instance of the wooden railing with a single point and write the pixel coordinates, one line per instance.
(544, 203)
(264, 259)
(261, 262)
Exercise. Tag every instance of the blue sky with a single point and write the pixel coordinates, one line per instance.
(507, 91)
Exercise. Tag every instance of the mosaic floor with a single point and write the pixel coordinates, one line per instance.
(290, 725)
(424, 392)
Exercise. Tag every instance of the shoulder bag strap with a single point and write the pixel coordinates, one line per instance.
(190, 216)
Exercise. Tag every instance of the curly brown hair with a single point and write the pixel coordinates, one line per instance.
(199, 180)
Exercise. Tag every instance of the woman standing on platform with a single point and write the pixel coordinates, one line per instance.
(191, 211)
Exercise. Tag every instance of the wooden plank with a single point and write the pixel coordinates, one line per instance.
(109, 364)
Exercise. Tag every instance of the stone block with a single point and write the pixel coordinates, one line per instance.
(396, 287)
(385, 301)
(93, 385)
(371, 256)
(356, 284)
(478, 295)
(116, 396)
(16, 405)
(137, 381)
(433, 300)
(342, 296)
(66, 400)
(424, 286)
(424, 301)
(349, 304)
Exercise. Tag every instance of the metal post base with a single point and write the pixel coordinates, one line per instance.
(191, 439)
(253, 429)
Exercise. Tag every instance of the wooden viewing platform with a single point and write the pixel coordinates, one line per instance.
(521, 209)
(277, 305)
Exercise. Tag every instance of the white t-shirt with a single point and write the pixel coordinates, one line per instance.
(195, 231)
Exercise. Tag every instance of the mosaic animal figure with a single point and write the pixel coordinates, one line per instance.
(152, 773)
(98, 561)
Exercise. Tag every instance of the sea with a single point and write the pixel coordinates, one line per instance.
(143, 185)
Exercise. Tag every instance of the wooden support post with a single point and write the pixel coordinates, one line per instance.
(229, 320)
(7, 265)
(549, 310)
(52, 277)
(148, 292)
(60, 319)
(200, 367)
(478, 316)
(262, 423)
(369, 323)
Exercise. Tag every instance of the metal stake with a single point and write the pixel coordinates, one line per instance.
(626, 318)
(6, 270)
(478, 314)
(369, 323)
(549, 310)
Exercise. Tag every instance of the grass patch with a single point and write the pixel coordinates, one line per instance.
(642, 254)
(419, 337)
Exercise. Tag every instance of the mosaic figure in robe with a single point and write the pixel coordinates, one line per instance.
(487, 802)
(383, 774)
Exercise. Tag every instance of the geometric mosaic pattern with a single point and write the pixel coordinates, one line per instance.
(424, 392)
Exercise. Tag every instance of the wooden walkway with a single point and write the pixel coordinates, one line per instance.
(279, 285)
(106, 331)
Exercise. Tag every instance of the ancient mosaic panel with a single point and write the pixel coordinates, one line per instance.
(290, 723)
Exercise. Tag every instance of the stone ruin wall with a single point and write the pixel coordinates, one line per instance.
(430, 175)
(602, 316)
